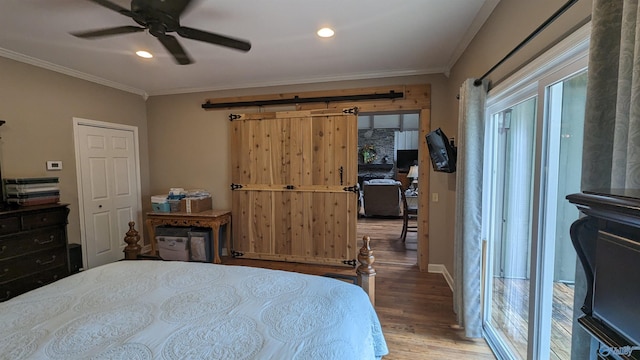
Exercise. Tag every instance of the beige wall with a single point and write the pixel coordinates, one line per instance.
(39, 105)
(509, 24)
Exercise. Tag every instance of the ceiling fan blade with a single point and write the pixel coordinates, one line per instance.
(184, 5)
(108, 32)
(211, 38)
(114, 7)
(175, 8)
(173, 46)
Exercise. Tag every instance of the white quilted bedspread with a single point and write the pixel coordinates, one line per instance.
(178, 310)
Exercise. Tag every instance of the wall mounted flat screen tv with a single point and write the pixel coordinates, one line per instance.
(443, 154)
(406, 158)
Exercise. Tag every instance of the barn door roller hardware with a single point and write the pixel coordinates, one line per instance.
(351, 262)
(354, 189)
(298, 100)
(236, 254)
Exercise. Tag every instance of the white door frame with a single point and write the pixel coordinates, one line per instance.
(77, 122)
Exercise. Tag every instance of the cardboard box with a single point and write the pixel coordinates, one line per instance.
(194, 205)
(175, 205)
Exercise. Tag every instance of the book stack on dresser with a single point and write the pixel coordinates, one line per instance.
(32, 191)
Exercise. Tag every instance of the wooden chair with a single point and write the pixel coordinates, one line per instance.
(407, 214)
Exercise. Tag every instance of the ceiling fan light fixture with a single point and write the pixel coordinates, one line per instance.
(159, 19)
(326, 32)
(144, 54)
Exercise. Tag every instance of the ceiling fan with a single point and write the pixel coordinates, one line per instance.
(160, 17)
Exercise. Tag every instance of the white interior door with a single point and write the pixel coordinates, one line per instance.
(109, 189)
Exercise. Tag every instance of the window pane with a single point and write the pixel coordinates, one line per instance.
(410, 121)
(566, 114)
(511, 243)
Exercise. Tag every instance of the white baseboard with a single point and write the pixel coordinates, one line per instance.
(441, 269)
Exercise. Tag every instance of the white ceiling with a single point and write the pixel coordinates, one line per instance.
(374, 38)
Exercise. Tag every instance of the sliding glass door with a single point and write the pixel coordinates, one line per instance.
(512, 133)
(565, 119)
(533, 148)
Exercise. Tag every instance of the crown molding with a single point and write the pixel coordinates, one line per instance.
(481, 17)
(70, 72)
(174, 91)
(310, 80)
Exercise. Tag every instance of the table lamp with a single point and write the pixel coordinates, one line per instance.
(413, 173)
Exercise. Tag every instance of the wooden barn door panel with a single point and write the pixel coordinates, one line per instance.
(253, 212)
(290, 171)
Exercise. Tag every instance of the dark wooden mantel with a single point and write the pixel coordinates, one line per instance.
(607, 242)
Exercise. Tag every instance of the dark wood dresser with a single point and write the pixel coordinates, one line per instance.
(607, 242)
(33, 248)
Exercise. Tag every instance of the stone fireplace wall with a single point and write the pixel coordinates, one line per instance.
(383, 141)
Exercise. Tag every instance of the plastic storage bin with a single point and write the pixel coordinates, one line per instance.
(173, 248)
(200, 244)
(173, 242)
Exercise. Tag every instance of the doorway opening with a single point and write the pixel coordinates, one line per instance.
(387, 150)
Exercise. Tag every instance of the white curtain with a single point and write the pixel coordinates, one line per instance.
(468, 230)
(611, 152)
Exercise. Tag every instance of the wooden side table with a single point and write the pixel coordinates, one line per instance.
(212, 219)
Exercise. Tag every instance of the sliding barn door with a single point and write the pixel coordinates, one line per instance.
(294, 175)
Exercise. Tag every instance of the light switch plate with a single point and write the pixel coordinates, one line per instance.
(54, 165)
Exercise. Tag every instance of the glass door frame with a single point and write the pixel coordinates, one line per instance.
(543, 250)
(566, 59)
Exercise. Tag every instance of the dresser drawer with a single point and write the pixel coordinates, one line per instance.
(43, 219)
(9, 225)
(31, 264)
(31, 241)
(22, 285)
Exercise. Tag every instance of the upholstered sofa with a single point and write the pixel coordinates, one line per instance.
(381, 197)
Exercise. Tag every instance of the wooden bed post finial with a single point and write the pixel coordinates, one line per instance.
(132, 250)
(366, 272)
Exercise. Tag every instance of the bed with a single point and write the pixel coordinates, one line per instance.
(144, 309)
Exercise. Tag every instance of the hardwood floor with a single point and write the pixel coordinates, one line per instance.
(415, 308)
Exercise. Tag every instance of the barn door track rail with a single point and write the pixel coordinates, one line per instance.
(301, 100)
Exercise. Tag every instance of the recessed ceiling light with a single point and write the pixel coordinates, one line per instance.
(326, 32)
(144, 54)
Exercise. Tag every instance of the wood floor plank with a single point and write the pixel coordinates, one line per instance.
(415, 308)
